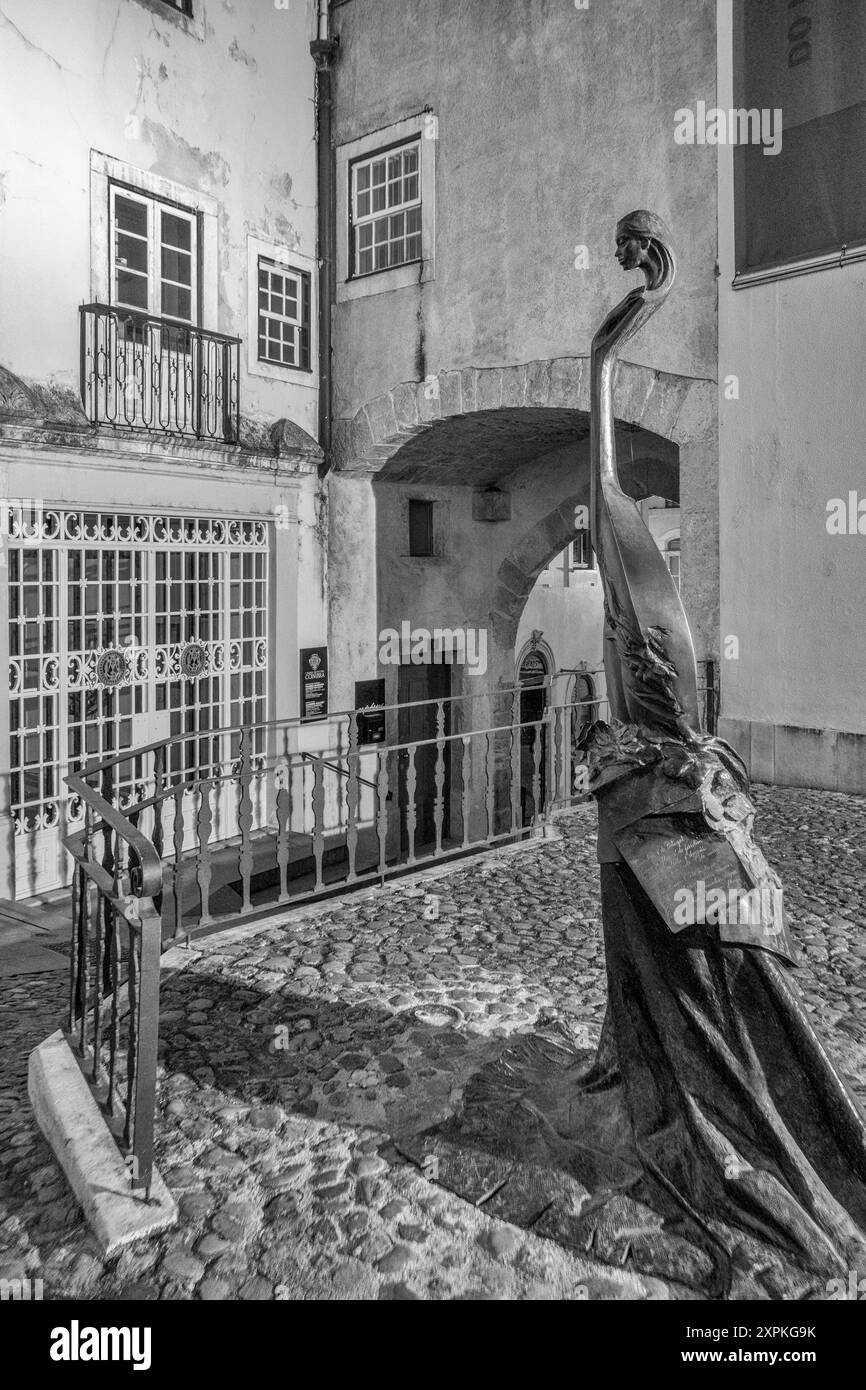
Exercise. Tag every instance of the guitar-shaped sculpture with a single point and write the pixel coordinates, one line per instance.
(649, 655)
(738, 1118)
(717, 1145)
(672, 800)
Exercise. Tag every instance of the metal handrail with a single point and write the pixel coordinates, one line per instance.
(297, 722)
(127, 895)
(144, 879)
(120, 311)
(306, 756)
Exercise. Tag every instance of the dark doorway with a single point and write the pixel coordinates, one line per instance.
(424, 682)
(584, 713)
(533, 703)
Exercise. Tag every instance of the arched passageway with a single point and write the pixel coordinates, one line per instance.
(487, 466)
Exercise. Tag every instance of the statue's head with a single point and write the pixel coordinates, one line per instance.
(643, 242)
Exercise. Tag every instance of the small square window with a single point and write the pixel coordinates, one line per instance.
(420, 527)
(284, 314)
(385, 210)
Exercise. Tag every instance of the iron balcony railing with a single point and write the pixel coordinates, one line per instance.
(144, 373)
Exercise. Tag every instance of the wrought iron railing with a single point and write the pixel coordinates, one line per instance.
(144, 373)
(194, 849)
(268, 822)
(114, 971)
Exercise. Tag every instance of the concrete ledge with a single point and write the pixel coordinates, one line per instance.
(82, 1143)
(785, 755)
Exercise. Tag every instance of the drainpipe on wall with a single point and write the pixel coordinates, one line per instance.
(324, 50)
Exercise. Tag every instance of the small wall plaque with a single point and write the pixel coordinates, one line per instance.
(314, 683)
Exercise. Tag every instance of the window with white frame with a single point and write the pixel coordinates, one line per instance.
(385, 209)
(154, 256)
(284, 313)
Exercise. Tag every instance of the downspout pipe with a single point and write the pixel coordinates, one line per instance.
(324, 50)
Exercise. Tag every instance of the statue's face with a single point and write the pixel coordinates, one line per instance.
(630, 251)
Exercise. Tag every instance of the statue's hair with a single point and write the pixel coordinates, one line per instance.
(642, 223)
(649, 226)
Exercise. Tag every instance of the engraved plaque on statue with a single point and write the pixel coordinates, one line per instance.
(694, 878)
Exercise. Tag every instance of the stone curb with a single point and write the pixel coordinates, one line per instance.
(82, 1143)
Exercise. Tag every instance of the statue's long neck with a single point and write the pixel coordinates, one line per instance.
(603, 429)
(648, 651)
(632, 313)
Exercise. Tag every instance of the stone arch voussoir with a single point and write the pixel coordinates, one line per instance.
(677, 407)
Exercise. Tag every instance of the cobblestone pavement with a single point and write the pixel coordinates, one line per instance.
(293, 1053)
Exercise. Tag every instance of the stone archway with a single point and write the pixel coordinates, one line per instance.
(540, 399)
(481, 428)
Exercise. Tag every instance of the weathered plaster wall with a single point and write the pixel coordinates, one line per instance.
(221, 104)
(791, 594)
(570, 620)
(552, 123)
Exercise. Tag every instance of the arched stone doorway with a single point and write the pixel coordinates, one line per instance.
(500, 455)
(536, 666)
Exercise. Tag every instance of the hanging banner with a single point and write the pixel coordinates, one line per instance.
(807, 60)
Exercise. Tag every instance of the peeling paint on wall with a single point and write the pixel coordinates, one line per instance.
(155, 93)
(282, 186)
(177, 159)
(237, 54)
(284, 232)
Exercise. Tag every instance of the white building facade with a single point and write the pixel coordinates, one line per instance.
(161, 553)
(792, 409)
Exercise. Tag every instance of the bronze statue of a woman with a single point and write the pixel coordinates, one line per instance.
(742, 1126)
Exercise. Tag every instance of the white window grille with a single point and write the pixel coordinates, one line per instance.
(386, 209)
(284, 315)
(128, 629)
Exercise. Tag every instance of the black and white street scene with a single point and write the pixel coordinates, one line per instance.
(432, 564)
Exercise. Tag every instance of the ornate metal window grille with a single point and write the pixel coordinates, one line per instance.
(125, 629)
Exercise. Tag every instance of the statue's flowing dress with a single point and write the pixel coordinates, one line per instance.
(739, 1121)
(739, 1125)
